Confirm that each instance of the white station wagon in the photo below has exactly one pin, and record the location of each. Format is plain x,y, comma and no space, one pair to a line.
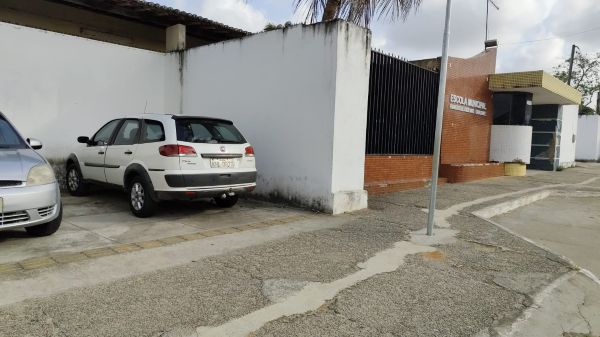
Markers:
163,157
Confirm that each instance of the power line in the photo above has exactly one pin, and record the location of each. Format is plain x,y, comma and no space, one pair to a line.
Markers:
552,38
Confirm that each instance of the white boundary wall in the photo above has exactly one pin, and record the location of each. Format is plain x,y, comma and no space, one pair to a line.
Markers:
511,143
300,97
588,138
568,135
57,87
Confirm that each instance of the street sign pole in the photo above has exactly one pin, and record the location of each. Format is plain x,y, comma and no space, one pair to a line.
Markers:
439,121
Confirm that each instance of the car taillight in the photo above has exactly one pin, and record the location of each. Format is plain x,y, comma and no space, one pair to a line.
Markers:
177,151
249,151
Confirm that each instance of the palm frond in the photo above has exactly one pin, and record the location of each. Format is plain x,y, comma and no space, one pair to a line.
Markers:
313,9
394,9
361,12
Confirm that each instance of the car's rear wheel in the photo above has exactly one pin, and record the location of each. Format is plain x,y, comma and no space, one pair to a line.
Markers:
227,202
75,184
140,201
48,228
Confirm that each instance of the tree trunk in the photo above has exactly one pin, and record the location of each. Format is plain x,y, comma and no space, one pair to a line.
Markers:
331,10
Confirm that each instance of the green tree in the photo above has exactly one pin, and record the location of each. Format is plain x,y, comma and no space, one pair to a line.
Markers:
585,78
360,12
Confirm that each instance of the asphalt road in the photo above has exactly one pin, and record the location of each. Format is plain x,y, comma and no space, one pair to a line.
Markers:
370,273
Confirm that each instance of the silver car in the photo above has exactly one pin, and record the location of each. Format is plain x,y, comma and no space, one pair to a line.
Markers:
29,192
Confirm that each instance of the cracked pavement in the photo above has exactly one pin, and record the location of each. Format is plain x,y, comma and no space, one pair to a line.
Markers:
479,285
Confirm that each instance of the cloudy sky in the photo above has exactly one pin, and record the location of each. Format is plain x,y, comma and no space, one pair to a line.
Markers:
518,26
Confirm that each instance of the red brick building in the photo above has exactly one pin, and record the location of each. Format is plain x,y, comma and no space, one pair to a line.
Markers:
468,118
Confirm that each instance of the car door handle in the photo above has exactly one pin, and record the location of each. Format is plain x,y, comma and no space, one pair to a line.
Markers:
128,152
100,152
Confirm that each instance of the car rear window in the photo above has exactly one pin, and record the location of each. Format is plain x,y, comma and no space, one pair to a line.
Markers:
153,131
9,139
198,130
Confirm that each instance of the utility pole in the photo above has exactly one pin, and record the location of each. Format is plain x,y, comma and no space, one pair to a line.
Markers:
439,121
487,15
570,76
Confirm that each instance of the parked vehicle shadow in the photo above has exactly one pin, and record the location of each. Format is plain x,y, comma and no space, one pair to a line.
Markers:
13,234
109,200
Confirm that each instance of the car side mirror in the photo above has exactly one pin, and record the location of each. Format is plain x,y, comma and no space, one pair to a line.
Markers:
34,143
83,140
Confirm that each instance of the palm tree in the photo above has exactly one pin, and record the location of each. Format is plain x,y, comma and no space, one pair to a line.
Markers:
360,12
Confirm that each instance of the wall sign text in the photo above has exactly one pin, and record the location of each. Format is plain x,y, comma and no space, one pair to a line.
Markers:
469,105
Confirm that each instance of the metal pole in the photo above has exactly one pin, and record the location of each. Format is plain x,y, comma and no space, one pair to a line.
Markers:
571,64
487,16
439,120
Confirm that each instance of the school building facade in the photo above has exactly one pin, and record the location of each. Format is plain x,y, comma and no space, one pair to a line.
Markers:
489,120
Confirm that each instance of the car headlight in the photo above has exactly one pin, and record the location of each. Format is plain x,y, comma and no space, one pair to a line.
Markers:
40,175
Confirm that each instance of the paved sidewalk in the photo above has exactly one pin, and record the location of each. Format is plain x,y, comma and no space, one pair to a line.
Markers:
568,223
371,273
102,221
568,308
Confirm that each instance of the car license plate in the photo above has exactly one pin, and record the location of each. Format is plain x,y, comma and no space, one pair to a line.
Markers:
221,163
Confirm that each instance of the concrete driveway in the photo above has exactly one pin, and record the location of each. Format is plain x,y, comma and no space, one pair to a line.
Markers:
567,223
103,220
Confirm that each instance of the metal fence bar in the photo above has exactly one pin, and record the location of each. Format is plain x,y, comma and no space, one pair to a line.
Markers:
401,108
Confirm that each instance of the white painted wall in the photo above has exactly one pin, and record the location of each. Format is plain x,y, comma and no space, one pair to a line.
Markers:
300,97
588,138
350,119
511,143
568,135
57,87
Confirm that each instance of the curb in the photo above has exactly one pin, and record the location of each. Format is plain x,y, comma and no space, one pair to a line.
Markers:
488,212
505,207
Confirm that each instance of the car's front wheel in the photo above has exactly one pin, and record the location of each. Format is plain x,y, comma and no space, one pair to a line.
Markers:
140,201
48,228
75,184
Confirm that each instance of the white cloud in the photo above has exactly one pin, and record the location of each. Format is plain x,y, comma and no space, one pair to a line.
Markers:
421,35
235,13
379,42
180,3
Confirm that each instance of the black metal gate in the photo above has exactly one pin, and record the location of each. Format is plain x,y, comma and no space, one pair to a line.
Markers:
402,107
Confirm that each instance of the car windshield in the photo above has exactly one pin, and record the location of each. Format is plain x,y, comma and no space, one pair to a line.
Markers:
198,130
9,138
